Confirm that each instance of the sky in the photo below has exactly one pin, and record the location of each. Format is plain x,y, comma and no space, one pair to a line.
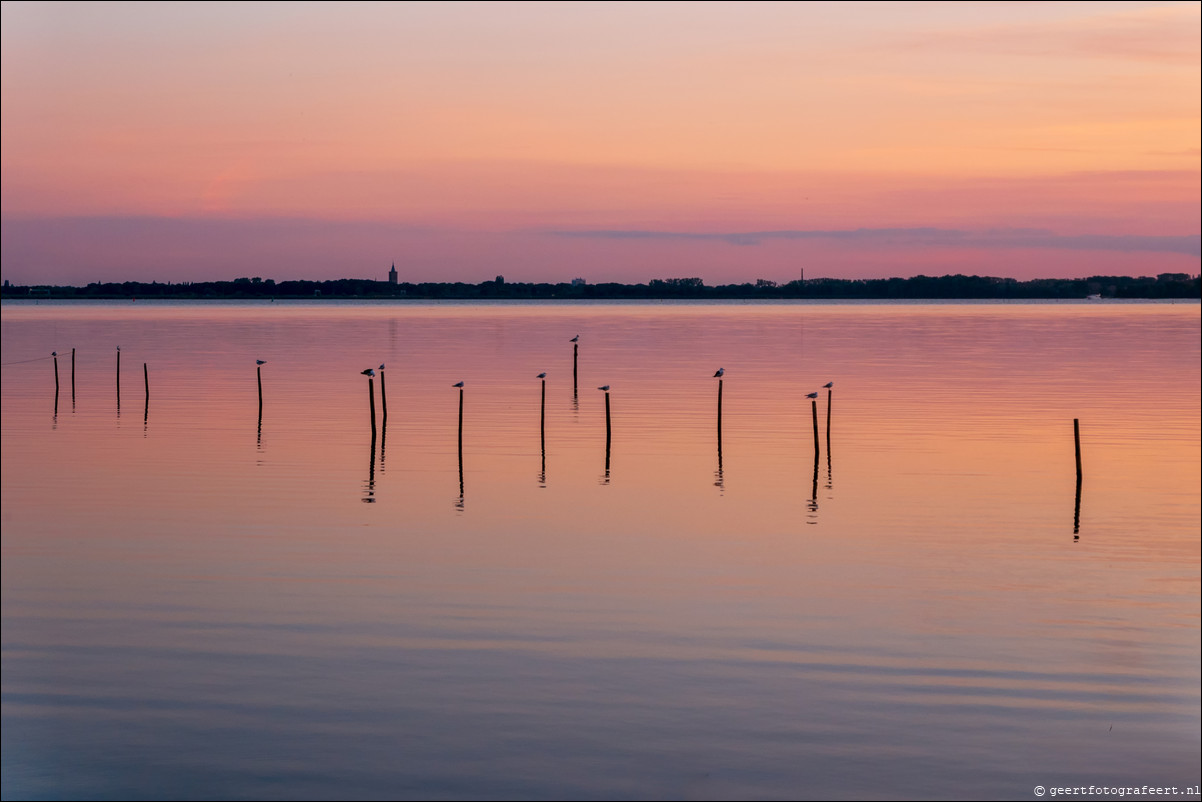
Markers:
609,141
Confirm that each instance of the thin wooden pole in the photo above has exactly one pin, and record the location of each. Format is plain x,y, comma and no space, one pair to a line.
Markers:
55,355
1077,443
829,393
719,410
371,402
73,377
118,377
608,430
146,381
259,376
575,356
459,504
814,409
383,397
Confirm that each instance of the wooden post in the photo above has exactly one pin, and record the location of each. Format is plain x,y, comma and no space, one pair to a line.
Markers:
608,430
459,503
259,376
1077,443
146,381
719,410
55,355
383,398
542,409
575,355
371,402
829,393
814,409
72,377
118,378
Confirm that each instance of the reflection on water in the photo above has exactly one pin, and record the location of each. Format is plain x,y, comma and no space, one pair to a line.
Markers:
183,616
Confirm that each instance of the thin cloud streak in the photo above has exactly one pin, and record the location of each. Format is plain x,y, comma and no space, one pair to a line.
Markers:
1190,245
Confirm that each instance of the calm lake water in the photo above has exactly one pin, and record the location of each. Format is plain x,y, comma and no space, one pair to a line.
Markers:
199,603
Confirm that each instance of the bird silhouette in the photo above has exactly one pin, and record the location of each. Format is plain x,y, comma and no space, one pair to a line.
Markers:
458,384
54,353
812,395
381,366
718,375
260,361
829,385
369,372
604,387
542,375
575,339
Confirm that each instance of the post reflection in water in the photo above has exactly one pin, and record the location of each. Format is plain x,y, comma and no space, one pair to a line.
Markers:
812,504
369,490
1077,512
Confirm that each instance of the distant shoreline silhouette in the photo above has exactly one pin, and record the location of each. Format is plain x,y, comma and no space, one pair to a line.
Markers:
1164,285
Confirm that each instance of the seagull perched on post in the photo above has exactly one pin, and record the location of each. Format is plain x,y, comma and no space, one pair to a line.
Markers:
458,384
829,385
260,361
54,353
542,375
368,373
381,367
718,375
812,395
604,387
575,339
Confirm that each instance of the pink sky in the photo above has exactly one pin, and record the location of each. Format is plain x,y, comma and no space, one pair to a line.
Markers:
619,142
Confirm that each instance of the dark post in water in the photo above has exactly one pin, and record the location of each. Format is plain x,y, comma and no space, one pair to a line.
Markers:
1077,442
73,378
118,378
383,398
259,376
608,430
575,356
55,355
829,393
814,410
146,382
371,403
459,503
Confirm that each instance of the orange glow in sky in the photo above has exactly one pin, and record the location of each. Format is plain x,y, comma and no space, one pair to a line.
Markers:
462,140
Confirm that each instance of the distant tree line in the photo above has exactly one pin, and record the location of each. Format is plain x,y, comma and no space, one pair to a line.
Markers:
1165,285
